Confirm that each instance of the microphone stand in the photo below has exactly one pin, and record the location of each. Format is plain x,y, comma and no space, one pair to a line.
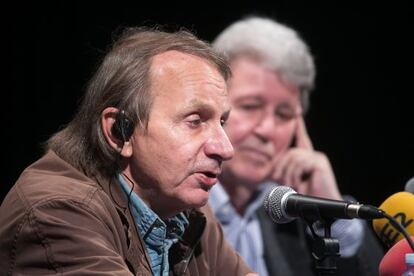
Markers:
325,250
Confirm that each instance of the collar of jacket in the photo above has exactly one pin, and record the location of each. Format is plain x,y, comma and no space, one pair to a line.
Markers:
180,253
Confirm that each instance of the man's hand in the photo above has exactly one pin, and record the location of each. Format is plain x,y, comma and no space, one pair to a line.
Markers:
307,171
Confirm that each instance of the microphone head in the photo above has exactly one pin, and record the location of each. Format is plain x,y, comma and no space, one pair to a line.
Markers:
401,206
393,262
275,203
409,186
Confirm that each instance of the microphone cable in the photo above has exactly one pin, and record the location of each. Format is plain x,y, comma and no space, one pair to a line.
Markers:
402,230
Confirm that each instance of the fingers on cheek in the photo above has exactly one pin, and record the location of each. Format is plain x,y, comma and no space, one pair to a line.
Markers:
299,174
303,189
290,169
293,170
289,172
279,168
276,173
289,166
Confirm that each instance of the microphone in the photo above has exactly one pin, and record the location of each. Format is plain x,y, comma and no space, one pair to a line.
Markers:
401,207
283,204
393,262
409,186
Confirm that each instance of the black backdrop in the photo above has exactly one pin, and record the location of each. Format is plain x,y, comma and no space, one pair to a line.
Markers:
360,111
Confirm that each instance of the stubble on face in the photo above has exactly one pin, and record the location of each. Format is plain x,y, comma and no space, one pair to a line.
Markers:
170,159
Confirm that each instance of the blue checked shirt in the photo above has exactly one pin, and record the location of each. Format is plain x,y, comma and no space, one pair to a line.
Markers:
157,234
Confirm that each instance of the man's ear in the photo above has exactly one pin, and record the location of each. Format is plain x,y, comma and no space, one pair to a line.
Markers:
108,118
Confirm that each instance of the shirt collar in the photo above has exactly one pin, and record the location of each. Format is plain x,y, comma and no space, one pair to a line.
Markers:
221,205
148,221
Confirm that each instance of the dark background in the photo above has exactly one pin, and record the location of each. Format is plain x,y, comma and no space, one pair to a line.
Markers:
361,110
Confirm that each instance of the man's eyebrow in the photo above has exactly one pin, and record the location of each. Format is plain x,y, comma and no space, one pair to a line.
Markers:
250,97
196,104
203,107
285,104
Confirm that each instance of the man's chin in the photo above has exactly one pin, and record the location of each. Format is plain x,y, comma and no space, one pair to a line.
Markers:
250,173
199,201
202,202
253,178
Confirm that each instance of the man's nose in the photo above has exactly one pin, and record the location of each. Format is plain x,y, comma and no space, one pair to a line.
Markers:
219,146
266,126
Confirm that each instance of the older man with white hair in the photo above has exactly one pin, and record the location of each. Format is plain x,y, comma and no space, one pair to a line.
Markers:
273,74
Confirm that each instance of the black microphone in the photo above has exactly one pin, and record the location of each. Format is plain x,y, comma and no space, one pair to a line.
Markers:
283,204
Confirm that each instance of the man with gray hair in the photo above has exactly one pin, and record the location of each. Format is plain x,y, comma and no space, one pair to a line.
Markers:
273,73
121,189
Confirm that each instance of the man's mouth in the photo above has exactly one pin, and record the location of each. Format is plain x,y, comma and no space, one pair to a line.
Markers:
257,154
210,174
208,178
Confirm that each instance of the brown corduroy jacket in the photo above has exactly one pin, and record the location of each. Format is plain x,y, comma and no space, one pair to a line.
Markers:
55,220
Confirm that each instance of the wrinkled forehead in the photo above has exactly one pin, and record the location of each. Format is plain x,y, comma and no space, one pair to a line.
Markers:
178,66
249,76
187,81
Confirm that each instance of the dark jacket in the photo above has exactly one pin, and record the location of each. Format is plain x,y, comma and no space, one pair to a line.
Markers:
290,245
55,220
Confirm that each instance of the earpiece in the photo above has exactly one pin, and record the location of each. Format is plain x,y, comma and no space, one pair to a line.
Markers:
122,128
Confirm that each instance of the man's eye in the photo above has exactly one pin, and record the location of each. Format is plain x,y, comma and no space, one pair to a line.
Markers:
194,120
250,107
285,116
223,122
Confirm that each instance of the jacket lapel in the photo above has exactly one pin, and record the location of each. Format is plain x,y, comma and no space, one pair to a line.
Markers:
136,256
276,262
182,252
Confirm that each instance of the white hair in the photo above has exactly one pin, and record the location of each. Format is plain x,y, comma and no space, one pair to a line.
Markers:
276,45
